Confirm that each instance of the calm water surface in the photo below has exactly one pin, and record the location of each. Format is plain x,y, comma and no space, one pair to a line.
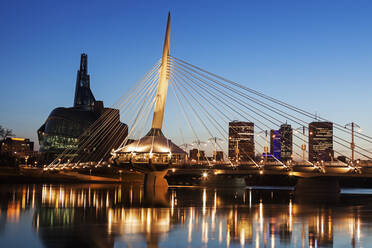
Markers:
126,216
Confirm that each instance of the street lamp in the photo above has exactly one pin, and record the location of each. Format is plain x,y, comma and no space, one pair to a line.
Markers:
26,158
352,144
266,147
215,139
185,145
198,142
303,146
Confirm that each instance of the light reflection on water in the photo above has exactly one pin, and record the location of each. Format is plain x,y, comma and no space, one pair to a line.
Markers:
126,216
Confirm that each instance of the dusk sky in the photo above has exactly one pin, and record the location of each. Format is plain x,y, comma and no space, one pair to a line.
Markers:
316,55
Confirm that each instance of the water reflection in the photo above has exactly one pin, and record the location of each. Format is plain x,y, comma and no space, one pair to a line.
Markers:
126,215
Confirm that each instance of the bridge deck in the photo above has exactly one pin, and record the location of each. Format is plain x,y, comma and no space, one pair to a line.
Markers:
299,171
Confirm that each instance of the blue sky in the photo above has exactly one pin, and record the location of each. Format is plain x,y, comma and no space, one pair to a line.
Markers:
316,55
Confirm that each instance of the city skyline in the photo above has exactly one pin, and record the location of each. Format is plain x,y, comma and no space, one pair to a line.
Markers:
185,123
274,59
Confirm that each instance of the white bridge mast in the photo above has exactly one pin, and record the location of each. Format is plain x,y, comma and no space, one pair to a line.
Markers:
161,95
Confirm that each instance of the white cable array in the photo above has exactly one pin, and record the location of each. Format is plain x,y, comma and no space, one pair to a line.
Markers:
216,89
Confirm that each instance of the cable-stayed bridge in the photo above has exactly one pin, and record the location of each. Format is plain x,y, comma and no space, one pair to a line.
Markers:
201,107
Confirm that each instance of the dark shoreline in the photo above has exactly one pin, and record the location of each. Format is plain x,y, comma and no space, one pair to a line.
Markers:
38,175
14,175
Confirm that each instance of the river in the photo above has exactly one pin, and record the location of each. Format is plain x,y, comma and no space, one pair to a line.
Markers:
101,215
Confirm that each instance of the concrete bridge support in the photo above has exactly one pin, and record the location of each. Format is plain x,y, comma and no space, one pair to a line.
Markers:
156,188
317,190
155,179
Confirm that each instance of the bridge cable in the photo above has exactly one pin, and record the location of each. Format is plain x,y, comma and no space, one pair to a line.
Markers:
307,123
306,113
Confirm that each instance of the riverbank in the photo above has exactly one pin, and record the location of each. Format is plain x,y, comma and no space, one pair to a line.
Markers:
115,175
38,175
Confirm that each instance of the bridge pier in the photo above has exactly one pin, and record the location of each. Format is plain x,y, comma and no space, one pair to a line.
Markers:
156,188
155,179
317,190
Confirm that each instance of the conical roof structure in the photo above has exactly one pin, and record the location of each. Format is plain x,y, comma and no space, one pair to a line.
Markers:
153,144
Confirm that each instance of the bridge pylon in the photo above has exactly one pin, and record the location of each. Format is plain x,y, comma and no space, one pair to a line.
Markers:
154,153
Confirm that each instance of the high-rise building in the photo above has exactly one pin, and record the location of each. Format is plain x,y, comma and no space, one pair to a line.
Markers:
68,128
320,141
275,144
219,155
286,142
281,144
241,141
194,155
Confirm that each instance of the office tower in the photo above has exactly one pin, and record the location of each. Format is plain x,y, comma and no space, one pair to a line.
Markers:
320,141
241,141
286,138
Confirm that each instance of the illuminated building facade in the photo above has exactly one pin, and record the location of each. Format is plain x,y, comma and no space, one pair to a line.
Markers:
20,146
320,141
275,144
15,151
286,142
219,155
281,143
64,127
194,154
241,141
